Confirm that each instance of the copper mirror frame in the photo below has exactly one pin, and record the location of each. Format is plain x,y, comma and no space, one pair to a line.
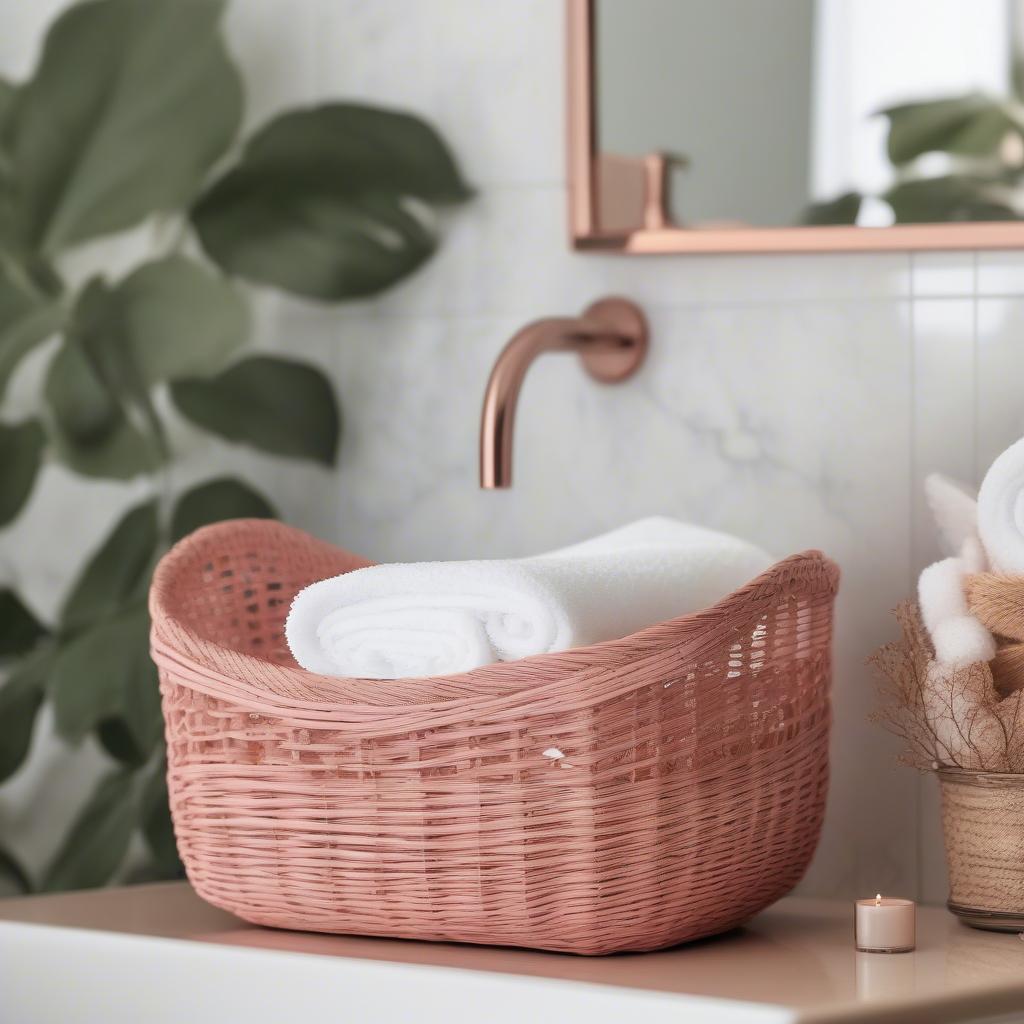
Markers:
618,203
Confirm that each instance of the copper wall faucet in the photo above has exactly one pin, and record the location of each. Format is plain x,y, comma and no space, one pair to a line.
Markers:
611,339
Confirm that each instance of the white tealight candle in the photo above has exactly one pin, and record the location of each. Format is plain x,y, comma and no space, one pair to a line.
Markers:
885,925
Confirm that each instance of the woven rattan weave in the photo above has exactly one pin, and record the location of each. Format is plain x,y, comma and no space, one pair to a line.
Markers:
624,796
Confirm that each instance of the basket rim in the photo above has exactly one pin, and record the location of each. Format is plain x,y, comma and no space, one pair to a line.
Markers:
300,688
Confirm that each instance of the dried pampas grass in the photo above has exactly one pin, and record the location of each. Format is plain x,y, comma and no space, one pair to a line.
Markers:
947,716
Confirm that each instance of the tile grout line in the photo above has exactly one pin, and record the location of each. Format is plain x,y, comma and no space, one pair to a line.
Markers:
975,392
912,486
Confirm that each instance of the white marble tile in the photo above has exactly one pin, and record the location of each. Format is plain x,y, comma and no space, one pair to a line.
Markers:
273,44
1000,406
945,415
512,129
942,273
488,76
1001,273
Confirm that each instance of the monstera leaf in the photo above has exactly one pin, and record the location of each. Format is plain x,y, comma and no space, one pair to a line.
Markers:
21,693
28,315
169,319
323,202
952,197
844,209
129,107
103,678
13,877
97,673
117,573
21,454
21,696
20,630
155,817
90,431
972,125
98,840
277,405
215,500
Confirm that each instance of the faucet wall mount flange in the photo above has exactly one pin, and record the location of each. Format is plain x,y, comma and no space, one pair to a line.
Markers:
611,338
619,343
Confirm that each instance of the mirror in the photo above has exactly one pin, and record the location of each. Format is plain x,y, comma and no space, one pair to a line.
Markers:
796,124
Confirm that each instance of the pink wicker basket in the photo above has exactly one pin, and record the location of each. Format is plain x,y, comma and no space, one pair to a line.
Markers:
625,796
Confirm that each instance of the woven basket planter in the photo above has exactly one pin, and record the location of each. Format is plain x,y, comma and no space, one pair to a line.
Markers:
625,796
983,827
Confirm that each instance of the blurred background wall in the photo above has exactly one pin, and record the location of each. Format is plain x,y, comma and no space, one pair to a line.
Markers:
798,400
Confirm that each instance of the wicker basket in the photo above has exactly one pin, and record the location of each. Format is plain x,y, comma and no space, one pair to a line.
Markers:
983,827
625,796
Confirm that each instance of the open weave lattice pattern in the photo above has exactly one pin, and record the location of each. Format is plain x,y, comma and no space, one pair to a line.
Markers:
624,796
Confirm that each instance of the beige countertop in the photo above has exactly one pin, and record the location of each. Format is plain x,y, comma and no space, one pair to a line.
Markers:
160,948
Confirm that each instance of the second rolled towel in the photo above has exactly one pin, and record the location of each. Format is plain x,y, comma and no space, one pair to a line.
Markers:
1001,511
440,618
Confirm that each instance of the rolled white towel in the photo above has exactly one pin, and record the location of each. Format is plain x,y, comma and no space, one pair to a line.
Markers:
955,510
1001,511
957,636
440,618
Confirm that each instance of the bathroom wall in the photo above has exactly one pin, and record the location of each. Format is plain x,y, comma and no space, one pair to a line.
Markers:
797,400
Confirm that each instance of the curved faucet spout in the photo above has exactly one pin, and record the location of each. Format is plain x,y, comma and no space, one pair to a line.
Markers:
611,338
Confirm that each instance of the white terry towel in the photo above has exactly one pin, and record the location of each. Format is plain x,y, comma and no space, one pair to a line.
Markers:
955,510
1001,511
440,618
958,637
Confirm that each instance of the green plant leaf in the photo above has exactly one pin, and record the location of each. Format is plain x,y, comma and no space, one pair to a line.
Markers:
20,630
21,455
13,877
8,91
129,107
98,839
8,94
20,699
169,319
118,572
157,827
101,672
140,703
972,125
1017,75
843,209
320,204
216,500
276,405
390,149
950,198
28,316
90,432
117,740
